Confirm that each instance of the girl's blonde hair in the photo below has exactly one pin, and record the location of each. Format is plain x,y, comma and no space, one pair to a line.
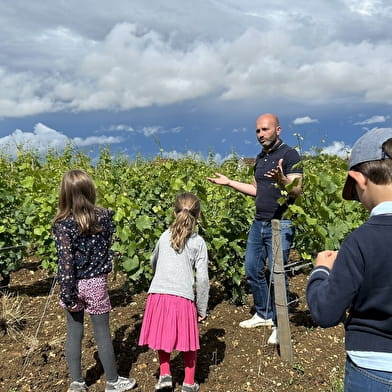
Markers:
77,197
186,211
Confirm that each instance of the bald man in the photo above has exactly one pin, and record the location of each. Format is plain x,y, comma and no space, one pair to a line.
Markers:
275,167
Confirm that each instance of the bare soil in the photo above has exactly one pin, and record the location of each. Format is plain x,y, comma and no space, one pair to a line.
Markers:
231,359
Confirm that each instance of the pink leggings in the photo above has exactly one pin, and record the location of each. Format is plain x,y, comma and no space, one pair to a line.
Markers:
189,365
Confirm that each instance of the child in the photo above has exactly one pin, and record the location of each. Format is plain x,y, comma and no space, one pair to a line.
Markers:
170,319
358,278
83,236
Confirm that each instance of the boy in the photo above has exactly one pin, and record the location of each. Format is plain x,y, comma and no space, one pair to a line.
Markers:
358,278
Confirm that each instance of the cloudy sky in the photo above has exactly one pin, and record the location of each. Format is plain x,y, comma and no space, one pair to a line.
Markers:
184,76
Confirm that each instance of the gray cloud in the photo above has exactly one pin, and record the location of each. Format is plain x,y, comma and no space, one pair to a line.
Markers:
373,120
146,131
92,55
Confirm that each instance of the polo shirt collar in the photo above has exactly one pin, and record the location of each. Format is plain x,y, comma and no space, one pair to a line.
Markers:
276,147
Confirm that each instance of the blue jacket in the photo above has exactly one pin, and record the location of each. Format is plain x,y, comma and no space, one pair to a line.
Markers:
358,289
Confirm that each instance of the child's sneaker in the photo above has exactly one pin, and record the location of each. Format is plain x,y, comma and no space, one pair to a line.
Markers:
77,386
190,388
164,382
122,384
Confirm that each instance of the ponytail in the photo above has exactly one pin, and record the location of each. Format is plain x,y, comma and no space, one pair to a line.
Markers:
186,210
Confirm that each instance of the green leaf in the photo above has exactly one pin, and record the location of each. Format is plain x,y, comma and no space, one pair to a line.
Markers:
219,242
39,230
27,182
131,264
143,223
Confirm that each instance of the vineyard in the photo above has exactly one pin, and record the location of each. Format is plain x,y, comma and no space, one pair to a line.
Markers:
141,193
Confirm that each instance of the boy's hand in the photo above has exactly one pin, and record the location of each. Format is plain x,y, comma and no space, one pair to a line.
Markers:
326,258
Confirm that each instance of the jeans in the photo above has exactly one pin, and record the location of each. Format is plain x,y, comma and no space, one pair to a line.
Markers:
258,250
359,379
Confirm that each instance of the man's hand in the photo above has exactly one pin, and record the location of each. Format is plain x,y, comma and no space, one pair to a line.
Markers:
220,179
282,180
278,175
326,258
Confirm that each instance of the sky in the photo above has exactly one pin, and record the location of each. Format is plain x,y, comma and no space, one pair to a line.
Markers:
178,77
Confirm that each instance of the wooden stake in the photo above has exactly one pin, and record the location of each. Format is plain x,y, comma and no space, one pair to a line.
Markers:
280,291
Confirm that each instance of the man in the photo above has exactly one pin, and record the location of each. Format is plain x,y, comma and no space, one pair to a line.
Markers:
274,169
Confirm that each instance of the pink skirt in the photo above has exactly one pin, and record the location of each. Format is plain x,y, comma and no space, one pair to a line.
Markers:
170,323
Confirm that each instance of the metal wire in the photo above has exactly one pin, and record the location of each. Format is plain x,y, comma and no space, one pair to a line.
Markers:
13,247
48,298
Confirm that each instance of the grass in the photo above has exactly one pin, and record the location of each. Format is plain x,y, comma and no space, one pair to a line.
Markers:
12,316
336,380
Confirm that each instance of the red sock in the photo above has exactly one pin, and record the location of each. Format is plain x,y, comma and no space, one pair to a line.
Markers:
189,366
164,362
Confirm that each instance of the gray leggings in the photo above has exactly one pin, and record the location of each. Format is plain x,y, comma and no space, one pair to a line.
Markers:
102,336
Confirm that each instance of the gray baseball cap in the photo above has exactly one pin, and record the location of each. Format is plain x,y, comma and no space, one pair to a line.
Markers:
367,148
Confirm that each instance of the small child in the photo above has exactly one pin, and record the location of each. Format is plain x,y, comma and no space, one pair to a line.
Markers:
358,278
83,236
170,319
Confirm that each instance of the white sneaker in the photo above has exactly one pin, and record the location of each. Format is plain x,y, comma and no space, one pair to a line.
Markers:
122,384
190,388
77,386
274,338
256,321
164,382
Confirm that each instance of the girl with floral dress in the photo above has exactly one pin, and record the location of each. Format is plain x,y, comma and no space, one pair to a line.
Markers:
83,236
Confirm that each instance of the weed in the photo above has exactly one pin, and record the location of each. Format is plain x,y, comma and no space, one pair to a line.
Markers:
336,380
12,316
298,367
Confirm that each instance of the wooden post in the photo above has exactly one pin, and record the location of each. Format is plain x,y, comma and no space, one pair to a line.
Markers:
280,291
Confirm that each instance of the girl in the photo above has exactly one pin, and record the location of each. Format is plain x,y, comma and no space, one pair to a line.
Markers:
83,236
171,316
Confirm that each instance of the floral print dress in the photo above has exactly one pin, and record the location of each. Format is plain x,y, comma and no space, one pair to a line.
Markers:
82,256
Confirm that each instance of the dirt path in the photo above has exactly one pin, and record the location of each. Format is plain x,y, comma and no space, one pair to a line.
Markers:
231,359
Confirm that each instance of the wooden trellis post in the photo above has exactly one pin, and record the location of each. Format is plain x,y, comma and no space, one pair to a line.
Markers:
280,291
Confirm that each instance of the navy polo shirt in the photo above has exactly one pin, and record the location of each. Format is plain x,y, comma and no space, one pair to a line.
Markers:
268,192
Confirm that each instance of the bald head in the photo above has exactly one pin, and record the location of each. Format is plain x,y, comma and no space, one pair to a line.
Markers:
268,117
268,130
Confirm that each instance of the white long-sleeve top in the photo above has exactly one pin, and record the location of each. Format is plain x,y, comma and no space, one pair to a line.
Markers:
175,272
